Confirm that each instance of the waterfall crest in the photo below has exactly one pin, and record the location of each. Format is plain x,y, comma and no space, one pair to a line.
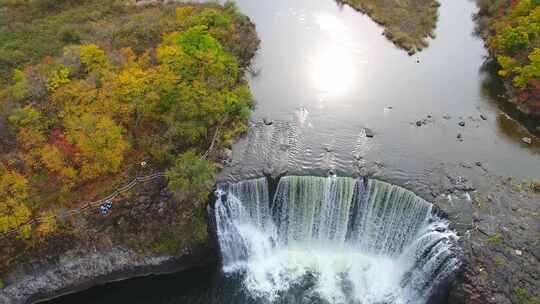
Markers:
344,240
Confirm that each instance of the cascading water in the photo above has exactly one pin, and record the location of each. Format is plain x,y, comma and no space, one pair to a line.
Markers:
333,240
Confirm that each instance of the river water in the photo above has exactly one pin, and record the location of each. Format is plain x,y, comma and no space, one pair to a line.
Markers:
323,74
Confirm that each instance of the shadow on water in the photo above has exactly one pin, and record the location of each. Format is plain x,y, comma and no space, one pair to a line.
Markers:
203,285
511,123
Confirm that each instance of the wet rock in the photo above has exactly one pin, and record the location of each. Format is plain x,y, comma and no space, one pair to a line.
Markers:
479,164
363,171
459,137
419,123
467,165
267,171
527,140
267,122
225,156
484,117
535,186
369,132
461,124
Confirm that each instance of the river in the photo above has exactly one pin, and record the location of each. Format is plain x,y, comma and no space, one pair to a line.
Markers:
325,72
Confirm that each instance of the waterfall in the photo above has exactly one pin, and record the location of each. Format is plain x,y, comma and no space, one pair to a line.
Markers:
343,240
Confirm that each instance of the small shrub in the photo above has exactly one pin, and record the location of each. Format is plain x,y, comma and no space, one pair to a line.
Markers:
70,35
495,239
167,243
523,296
2,285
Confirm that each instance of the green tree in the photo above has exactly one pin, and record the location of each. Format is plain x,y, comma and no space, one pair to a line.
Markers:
191,175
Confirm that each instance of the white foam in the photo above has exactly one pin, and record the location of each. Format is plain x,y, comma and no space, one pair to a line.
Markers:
346,241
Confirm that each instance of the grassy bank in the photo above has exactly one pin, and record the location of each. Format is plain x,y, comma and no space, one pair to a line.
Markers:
407,23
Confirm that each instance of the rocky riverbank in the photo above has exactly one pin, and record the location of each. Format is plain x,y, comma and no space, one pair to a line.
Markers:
498,220
147,232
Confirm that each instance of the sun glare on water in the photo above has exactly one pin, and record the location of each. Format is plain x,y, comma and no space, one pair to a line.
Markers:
332,67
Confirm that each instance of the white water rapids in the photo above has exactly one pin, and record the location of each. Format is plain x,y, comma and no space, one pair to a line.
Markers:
339,240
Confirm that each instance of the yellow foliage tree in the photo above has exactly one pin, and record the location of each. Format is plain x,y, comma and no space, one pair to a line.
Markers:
13,199
93,58
54,160
99,141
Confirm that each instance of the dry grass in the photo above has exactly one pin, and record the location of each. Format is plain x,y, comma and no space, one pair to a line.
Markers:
407,23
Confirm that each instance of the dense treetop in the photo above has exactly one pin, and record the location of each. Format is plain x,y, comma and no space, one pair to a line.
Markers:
154,85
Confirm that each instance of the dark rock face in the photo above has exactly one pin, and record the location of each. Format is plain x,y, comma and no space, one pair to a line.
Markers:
498,220
141,235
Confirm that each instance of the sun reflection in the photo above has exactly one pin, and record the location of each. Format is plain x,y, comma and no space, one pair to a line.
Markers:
332,67
333,71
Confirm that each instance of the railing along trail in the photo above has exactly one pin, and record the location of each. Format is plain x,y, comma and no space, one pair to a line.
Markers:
89,205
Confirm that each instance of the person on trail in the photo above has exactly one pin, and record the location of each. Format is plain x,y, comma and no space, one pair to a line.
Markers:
104,208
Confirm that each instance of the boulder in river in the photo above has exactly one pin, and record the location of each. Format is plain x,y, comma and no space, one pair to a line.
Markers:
369,132
527,140
418,123
267,122
484,117
461,124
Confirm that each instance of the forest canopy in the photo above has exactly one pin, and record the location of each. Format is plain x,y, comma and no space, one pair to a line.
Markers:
153,84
